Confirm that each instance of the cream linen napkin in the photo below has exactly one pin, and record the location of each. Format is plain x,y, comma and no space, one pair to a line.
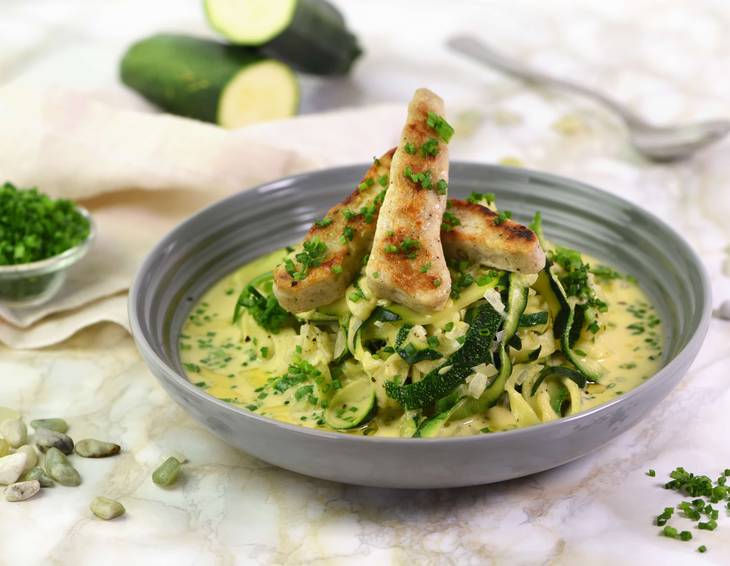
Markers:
140,174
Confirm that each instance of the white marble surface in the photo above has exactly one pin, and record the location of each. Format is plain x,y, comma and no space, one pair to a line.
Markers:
668,59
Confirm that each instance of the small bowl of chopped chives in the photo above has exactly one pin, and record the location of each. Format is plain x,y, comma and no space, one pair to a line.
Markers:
40,239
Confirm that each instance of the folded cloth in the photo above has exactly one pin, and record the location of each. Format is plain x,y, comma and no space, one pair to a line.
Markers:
140,174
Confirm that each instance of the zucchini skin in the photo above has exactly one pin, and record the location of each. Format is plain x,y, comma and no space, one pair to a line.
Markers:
184,75
316,41
568,326
476,349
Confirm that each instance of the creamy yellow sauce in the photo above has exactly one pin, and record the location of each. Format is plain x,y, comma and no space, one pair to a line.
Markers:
234,362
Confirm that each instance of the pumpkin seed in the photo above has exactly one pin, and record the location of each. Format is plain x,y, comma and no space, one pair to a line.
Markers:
39,474
60,469
32,455
4,447
59,425
46,438
90,448
106,508
167,473
11,467
14,431
22,490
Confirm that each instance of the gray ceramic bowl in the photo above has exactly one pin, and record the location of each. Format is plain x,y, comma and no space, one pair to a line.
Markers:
228,234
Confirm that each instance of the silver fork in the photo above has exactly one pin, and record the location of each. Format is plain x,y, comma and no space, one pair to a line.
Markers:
655,142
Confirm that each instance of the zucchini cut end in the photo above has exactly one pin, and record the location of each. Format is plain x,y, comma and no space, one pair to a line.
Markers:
351,406
250,22
259,92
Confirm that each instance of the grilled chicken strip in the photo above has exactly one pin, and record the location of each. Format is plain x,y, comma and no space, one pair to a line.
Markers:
468,231
481,237
337,243
407,262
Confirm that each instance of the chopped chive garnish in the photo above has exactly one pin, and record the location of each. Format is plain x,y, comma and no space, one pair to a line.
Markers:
437,282
442,187
440,126
376,275
651,473
502,216
312,255
449,221
430,148
391,249
323,223
336,269
475,198
383,181
702,549
409,148
425,267
423,179
349,214
365,185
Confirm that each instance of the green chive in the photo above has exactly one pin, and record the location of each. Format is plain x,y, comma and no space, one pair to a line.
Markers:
409,148
440,126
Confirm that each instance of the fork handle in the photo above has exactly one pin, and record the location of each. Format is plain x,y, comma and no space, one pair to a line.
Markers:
479,51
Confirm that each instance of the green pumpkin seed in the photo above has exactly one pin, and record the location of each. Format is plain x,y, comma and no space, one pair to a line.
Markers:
32,456
60,469
90,448
40,475
22,490
167,473
46,438
106,508
14,431
59,425
4,447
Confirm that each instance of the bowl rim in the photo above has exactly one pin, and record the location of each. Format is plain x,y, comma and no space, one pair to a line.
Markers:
176,379
48,264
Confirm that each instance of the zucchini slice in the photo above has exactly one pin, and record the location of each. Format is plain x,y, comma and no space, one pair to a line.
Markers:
492,393
311,35
483,324
351,406
566,326
534,319
209,81
558,372
432,427
517,294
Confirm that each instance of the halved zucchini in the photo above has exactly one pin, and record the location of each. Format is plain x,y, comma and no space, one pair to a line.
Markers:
311,35
351,406
210,81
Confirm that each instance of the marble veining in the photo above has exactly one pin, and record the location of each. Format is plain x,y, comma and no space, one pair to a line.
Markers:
667,60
